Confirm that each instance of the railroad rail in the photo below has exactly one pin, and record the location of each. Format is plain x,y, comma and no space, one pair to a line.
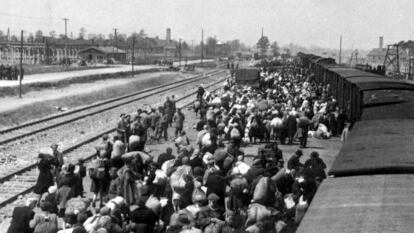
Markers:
22,181
40,125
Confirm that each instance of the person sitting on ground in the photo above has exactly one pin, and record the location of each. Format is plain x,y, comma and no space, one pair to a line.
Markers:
294,161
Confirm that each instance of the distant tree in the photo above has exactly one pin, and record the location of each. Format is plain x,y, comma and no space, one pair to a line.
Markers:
185,46
275,49
263,44
142,33
52,34
287,51
62,36
210,46
39,36
235,45
30,38
13,38
82,33
121,38
110,36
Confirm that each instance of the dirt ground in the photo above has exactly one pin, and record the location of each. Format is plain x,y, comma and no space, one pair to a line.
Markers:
38,104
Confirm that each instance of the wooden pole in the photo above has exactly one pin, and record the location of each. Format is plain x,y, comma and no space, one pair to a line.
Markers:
133,55
202,45
340,49
21,64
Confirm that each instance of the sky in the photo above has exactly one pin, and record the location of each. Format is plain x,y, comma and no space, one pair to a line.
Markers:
302,22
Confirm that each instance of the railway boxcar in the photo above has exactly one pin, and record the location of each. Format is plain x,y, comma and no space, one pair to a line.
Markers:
248,76
370,188
366,92
377,203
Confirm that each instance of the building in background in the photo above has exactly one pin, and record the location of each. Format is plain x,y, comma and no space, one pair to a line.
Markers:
102,54
376,56
54,51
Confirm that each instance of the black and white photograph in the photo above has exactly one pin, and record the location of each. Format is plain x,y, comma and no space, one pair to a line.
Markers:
206,116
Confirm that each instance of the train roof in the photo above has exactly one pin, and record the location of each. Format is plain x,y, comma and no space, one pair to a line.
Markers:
347,72
379,82
379,203
377,147
325,60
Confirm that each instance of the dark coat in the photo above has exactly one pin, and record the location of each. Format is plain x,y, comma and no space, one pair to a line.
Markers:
20,220
144,215
45,178
291,125
294,163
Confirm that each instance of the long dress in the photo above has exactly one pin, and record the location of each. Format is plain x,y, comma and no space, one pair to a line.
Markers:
45,178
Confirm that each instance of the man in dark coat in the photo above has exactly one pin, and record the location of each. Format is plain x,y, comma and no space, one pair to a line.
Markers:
294,161
167,155
143,217
291,127
21,218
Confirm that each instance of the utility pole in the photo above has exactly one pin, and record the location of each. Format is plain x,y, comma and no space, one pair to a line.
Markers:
340,49
133,55
202,45
179,52
66,42
262,50
116,40
21,64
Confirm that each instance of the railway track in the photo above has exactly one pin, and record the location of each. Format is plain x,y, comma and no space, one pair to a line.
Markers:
22,181
40,125
22,149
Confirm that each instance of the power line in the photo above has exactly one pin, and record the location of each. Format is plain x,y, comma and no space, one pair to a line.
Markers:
28,17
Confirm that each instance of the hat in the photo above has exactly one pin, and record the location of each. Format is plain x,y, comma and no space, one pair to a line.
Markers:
176,196
52,189
141,201
213,197
299,152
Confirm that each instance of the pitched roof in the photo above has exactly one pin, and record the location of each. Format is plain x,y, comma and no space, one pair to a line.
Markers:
105,49
377,52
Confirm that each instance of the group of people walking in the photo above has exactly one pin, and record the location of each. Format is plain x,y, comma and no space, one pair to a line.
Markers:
202,184
8,72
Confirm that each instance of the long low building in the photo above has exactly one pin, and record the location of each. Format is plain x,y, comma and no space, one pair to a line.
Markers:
100,54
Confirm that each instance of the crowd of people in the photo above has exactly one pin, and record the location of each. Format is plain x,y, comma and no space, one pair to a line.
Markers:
208,186
8,72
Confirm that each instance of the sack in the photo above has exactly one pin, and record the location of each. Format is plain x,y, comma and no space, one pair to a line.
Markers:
235,134
77,204
240,168
238,184
212,228
134,143
198,195
98,168
257,213
301,208
177,180
261,190
154,204
47,224
206,140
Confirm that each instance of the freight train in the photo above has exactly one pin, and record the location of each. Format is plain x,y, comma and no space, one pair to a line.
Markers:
370,184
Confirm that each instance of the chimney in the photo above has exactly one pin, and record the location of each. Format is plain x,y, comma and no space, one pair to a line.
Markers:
381,42
168,37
